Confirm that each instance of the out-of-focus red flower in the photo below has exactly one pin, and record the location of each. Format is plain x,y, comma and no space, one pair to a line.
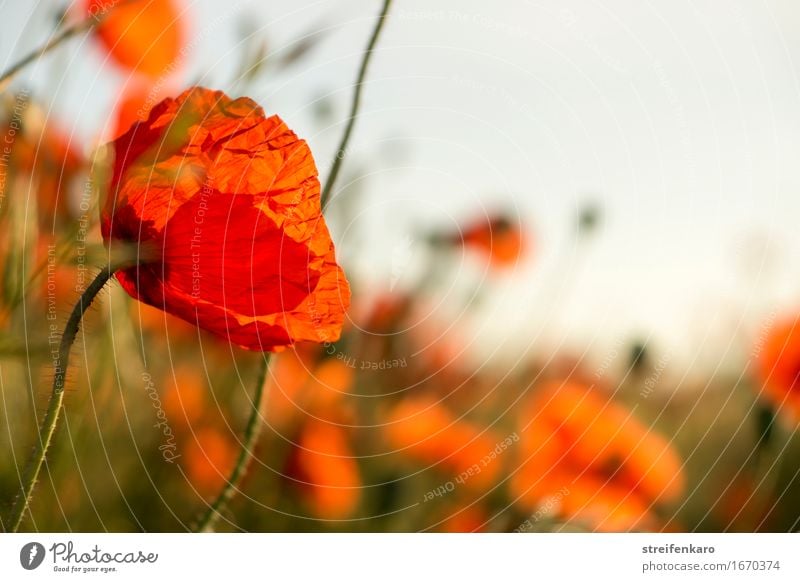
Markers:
385,313
497,237
130,109
469,519
4,308
304,387
423,429
45,162
605,505
329,384
185,397
589,460
59,280
160,323
141,35
741,507
328,474
139,95
779,368
209,457
289,374
224,201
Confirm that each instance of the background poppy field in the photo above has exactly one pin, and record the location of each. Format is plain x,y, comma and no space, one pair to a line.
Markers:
569,233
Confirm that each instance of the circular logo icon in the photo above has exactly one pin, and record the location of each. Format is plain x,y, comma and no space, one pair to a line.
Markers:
31,555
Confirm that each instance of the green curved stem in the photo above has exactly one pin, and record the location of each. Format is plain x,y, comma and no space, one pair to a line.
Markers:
253,429
252,432
66,34
56,403
74,30
341,151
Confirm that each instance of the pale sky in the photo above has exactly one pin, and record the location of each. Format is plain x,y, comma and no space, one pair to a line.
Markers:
681,119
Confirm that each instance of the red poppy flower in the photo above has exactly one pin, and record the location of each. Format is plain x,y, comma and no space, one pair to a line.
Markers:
141,35
209,456
779,368
463,518
227,201
424,430
305,389
497,237
325,470
43,160
136,99
185,398
587,458
4,251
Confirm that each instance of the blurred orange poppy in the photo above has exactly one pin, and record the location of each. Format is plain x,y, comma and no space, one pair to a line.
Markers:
4,307
185,396
330,382
289,373
426,431
744,505
607,506
59,281
141,35
161,324
469,519
225,202
303,387
779,368
327,473
209,456
139,95
603,465
498,237
384,313
45,162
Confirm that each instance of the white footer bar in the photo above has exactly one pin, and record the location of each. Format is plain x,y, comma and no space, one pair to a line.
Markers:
408,557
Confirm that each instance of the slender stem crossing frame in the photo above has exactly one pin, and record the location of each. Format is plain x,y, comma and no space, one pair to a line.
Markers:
55,406
253,429
341,151
252,432
56,403
83,26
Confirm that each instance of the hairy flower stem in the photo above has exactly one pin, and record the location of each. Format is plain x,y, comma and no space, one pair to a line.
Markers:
56,404
252,432
341,151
